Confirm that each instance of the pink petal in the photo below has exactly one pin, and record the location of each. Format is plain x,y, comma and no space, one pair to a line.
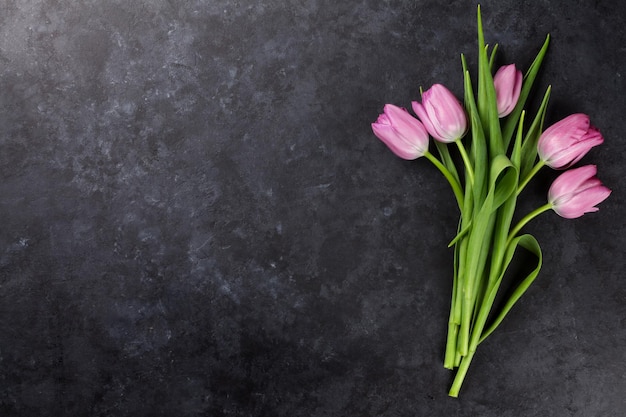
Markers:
570,180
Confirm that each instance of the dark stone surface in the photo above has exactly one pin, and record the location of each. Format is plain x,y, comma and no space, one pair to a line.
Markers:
198,221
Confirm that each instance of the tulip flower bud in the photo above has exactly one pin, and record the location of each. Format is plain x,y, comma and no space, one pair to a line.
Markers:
508,84
442,114
401,132
567,141
576,192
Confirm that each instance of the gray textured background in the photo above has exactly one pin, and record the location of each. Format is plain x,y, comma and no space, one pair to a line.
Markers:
196,219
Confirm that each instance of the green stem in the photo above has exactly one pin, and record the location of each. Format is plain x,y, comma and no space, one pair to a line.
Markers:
530,175
456,188
459,301
466,316
453,325
476,255
460,374
459,279
526,219
453,331
466,161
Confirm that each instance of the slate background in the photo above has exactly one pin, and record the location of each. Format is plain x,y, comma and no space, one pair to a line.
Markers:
196,219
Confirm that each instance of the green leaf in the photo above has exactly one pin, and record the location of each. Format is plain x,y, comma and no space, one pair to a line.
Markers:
506,211
529,147
529,243
516,153
487,104
492,58
460,234
504,181
529,79
446,160
478,152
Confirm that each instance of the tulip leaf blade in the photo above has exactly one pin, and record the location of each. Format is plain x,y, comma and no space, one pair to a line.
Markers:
462,233
507,210
486,103
504,181
492,58
446,159
478,150
529,243
529,146
516,153
529,79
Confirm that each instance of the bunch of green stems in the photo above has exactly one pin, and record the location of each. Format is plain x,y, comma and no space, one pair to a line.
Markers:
499,158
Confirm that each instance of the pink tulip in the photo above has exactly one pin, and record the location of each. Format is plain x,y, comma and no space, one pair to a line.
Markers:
567,141
576,192
442,114
508,84
401,132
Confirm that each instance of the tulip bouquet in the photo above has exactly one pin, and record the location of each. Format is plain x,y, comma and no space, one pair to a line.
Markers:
499,149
